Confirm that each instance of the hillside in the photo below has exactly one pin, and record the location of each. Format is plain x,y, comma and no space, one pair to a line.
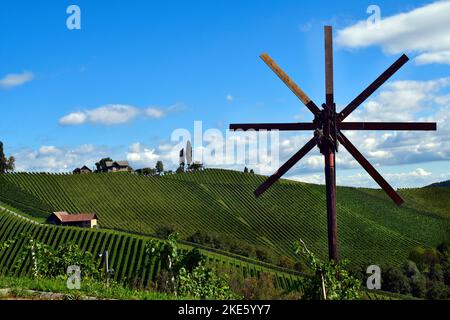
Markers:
126,251
371,228
440,184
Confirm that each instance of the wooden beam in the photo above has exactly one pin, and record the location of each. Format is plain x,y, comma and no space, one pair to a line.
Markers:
413,126
286,166
370,169
329,87
274,126
372,87
290,84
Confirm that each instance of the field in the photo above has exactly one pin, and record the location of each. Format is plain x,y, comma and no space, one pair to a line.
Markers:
127,256
372,229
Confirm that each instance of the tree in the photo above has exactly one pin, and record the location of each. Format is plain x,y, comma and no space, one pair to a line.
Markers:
3,161
195,166
159,167
102,163
245,170
180,169
11,164
251,171
6,164
146,171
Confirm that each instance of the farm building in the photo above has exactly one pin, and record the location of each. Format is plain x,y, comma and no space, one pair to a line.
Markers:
115,166
84,220
83,169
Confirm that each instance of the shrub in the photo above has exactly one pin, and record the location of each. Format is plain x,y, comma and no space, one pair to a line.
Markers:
203,282
436,273
410,268
262,288
329,280
286,262
418,285
163,231
394,280
438,291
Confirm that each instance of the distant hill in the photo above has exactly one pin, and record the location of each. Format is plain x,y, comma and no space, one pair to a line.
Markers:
440,184
372,229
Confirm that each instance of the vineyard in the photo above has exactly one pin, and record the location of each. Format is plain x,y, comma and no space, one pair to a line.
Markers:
372,229
127,254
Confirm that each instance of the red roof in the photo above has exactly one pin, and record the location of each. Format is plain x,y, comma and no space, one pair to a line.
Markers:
80,217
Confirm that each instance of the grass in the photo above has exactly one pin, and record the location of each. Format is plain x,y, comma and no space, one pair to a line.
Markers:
20,285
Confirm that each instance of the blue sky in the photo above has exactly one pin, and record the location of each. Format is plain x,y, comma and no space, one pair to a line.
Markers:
137,70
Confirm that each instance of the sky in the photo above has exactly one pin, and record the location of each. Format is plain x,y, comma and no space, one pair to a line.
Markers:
136,71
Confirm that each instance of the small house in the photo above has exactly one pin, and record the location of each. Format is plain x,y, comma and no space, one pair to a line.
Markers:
83,169
115,166
84,220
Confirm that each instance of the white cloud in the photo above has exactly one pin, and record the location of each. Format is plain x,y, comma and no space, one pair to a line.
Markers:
108,115
154,112
116,114
73,118
312,178
423,30
44,150
112,114
229,98
16,79
434,57
59,159
139,154
416,178
401,100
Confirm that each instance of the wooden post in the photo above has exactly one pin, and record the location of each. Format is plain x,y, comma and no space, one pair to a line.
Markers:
330,180
329,148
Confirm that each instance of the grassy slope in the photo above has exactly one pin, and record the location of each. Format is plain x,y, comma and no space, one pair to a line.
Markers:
371,228
126,251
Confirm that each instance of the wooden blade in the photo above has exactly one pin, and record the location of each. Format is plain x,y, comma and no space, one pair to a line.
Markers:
372,87
413,126
290,84
273,126
329,88
370,169
285,167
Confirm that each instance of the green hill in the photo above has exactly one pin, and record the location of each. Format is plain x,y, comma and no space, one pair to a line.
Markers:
371,228
126,252
440,184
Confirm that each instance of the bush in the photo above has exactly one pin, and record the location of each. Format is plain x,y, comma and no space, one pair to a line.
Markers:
394,280
264,255
444,248
163,231
262,288
436,273
286,262
438,291
410,268
418,285
204,283
329,280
